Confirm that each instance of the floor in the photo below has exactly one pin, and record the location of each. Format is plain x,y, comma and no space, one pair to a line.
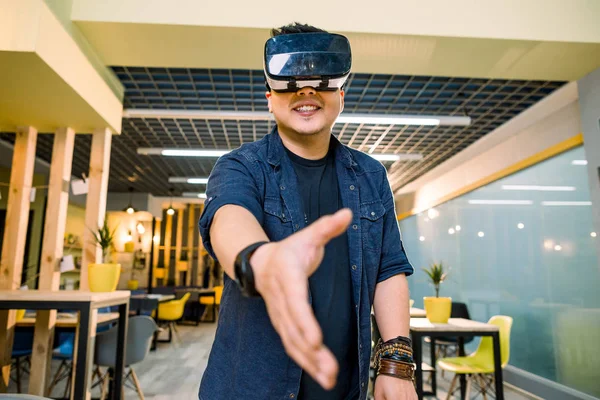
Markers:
174,370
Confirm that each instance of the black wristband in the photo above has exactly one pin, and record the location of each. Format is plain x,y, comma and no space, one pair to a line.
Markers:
244,275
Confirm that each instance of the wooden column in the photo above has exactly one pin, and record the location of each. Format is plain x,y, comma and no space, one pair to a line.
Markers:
95,206
156,250
15,236
201,266
167,247
190,244
178,241
52,252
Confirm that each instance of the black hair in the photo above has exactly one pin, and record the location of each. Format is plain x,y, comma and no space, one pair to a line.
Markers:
294,27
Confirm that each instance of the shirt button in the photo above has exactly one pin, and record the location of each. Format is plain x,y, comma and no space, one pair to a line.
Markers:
354,267
373,213
282,187
355,227
362,384
351,187
297,226
292,395
360,346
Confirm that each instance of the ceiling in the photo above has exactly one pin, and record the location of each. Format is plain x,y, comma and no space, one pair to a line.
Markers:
489,102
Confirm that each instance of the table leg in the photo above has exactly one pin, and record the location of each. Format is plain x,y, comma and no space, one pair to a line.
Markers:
498,366
463,377
418,357
121,348
433,362
86,333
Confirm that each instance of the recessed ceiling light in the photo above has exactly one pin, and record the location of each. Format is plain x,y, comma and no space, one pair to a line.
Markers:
579,162
558,247
520,225
451,231
422,238
593,234
458,228
480,234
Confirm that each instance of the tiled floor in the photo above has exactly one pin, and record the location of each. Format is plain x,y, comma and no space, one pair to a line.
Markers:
174,370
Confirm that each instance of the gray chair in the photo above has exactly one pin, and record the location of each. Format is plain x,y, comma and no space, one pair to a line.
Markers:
140,331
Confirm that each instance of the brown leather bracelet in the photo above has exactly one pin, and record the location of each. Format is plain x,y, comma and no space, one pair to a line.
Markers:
396,369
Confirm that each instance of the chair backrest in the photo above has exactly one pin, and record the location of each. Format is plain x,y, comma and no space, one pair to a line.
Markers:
486,347
140,330
218,293
460,310
183,299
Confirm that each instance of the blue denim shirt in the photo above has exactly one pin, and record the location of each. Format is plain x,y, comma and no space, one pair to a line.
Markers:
248,359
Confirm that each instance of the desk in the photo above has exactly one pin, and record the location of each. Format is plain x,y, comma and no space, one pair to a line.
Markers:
87,304
68,320
460,327
417,313
139,302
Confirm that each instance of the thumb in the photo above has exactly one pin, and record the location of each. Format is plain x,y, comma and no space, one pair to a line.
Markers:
326,228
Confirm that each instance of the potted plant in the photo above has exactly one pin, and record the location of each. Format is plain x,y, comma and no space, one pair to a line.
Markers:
437,308
104,277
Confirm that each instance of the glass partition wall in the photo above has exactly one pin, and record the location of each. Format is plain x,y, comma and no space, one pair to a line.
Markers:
523,246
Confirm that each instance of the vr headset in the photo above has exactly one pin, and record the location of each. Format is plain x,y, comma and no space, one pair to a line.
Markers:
320,60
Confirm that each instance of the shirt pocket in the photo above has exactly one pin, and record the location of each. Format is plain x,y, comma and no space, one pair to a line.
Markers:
371,220
277,220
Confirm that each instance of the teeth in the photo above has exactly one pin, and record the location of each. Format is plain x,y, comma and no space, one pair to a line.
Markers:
306,108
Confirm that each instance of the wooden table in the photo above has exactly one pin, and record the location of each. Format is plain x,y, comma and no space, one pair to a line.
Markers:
68,320
417,313
86,304
461,328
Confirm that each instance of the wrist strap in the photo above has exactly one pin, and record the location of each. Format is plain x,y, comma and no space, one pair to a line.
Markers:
244,275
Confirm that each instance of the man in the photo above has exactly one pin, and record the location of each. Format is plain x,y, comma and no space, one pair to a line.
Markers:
307,229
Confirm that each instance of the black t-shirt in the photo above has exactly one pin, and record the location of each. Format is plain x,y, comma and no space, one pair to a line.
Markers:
331,284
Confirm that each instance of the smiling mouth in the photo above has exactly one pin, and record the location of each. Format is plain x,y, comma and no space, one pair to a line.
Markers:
307,110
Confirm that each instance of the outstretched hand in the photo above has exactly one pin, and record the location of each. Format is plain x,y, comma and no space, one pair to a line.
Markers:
281,271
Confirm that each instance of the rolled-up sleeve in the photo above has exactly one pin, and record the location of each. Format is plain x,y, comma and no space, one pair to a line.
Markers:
231,182
393,257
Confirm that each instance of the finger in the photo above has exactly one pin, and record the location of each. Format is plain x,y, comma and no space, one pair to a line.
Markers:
295,292
328,368
328,227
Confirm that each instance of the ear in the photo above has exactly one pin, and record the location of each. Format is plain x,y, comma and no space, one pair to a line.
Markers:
342,94
268,96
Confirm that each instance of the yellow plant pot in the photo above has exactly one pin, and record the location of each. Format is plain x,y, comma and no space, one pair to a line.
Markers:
103,277
133,284
438,309
20,314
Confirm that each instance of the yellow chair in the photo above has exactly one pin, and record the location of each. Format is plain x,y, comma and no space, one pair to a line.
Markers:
170,312
216,302
480,365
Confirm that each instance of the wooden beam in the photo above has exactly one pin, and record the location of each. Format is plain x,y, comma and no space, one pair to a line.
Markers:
190,244
156,250
178,241
95,206
167,250
15,237
52,252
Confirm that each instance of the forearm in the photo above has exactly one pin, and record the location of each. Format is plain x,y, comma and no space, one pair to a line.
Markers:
391,305
233,229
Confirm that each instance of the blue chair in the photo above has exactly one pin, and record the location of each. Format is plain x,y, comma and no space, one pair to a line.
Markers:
21,353
140,331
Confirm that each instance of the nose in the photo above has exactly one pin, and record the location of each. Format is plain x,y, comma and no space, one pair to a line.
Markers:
306,91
